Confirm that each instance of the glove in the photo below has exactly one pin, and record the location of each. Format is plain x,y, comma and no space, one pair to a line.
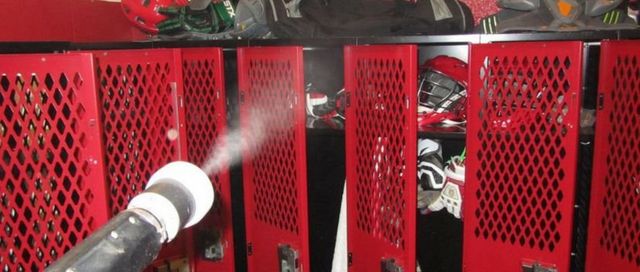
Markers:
323,106
451,195
430,165
426,197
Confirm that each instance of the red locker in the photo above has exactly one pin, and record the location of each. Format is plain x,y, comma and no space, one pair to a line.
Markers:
138,94
205,119
272,116
613,239
381,156
52,193
522,140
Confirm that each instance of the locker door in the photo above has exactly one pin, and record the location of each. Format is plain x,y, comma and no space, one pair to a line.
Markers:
522,139
53,191
138,92
206,123
272,117
381,156
613,239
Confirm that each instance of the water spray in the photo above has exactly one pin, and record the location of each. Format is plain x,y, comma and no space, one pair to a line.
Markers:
230,147
177,196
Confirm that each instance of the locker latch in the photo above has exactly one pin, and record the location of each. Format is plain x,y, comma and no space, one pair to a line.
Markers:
211,244
390,265
537,267
288,259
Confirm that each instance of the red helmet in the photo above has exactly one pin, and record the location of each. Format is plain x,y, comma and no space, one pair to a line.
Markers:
442,91
144,13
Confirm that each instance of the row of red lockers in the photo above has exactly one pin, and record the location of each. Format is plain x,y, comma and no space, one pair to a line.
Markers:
81,133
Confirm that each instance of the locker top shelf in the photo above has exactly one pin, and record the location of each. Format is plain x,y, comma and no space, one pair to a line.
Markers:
587,36
443,133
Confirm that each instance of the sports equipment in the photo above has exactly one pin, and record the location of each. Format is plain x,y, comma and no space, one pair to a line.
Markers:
430,173
430,165
321,105
442,91
451,196
145,14
557,16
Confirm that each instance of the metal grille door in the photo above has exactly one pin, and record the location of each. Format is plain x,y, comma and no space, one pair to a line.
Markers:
137,95
272,118
381,156
205,113
614,218
138,91
521,169
51,175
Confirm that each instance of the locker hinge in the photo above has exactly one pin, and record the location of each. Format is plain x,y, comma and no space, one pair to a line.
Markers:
241,97
249,249
600,101
350,259
390,265
348,98
407,102
537,267
288,259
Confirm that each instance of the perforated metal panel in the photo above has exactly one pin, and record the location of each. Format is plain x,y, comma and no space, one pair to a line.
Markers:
205,112
381,155
272,91
521,167
51,176
138,92
137,95
614,218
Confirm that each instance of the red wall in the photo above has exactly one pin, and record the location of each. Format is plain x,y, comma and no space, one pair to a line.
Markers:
64,20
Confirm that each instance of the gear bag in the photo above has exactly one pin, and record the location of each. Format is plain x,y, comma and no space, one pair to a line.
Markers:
344,18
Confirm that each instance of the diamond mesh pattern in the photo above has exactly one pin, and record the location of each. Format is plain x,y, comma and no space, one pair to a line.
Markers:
380,185
381,146
275,172
205,114
521,150
139,119
621,202
272,114
203,109
522,143
48,174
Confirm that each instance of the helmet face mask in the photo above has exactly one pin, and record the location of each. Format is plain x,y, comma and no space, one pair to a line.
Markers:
442,91
439,92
